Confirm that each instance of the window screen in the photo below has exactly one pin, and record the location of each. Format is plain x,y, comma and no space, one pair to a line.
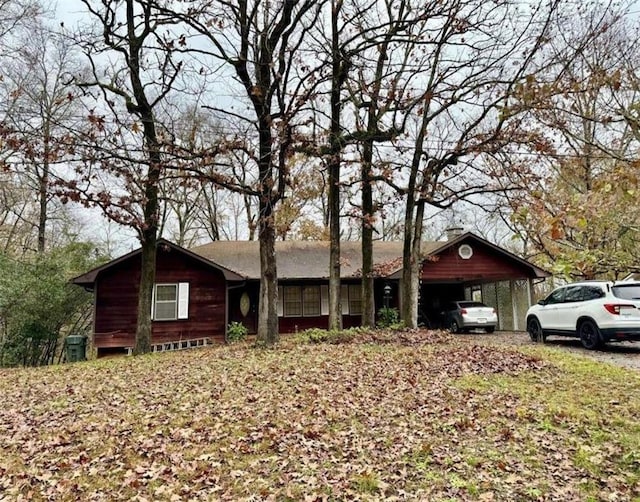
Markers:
355,299
166,302
311,300
292,301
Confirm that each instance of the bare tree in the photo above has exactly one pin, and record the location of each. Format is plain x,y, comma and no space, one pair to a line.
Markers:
261,43
339,71
132,56
40,109
477,54
13,15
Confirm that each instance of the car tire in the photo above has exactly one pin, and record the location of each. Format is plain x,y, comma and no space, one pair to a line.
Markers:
589,335
535,330
490,329
453,326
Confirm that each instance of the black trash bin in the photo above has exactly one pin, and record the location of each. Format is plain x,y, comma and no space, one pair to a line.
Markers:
76,348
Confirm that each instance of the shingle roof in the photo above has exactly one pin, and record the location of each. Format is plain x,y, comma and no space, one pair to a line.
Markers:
240,260
303,259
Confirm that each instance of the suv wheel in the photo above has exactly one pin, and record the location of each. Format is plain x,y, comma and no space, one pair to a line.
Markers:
589,335
535,330
453,326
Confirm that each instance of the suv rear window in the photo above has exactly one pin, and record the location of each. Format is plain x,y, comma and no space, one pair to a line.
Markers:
627,292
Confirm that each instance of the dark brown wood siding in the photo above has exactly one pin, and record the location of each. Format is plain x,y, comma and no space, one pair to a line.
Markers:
117,292
485,265
300,323
286,324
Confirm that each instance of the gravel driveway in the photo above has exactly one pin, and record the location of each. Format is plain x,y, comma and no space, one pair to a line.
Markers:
626,354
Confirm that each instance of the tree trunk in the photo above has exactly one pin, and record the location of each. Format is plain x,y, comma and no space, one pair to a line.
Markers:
43,191
151,205
373,134
414,214
147,280
409,302
339,72
368,301
267,334
416,263
149,242
268,306
335,304
409,288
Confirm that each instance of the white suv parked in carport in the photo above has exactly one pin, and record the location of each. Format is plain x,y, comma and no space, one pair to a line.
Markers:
595,311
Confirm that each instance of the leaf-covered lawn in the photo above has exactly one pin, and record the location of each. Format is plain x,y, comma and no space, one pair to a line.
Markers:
429,418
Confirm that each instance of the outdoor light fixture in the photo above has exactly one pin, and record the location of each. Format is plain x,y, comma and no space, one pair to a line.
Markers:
387,295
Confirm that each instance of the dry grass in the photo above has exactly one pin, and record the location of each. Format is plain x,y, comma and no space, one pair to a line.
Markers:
427,418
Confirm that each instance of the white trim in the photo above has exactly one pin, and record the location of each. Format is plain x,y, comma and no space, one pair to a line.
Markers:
176,286
324,300
280,302
183,300
514,304
465,251
344,298
153,302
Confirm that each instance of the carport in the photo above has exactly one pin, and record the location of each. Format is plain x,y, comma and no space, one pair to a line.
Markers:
467,267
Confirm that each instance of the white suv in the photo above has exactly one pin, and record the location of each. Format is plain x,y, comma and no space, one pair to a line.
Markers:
595,311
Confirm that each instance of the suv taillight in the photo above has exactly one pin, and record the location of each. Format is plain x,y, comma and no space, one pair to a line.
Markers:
463,311
614,308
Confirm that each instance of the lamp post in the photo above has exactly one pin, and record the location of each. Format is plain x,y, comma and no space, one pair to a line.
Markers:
387,295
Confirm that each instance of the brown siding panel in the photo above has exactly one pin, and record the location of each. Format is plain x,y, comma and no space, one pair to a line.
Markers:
484,265
117,293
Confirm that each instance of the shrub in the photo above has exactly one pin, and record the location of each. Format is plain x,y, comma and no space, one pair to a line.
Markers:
333,336
389,317
39,306
236,332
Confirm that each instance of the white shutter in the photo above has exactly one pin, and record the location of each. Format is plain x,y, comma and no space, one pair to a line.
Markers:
280,302
344,298
153,301
183,300
324,300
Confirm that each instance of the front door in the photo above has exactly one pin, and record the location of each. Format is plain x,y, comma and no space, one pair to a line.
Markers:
243,307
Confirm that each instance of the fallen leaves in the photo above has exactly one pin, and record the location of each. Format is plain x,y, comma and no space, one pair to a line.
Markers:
421,417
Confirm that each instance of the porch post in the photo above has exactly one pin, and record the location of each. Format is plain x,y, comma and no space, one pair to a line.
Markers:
514,305
226,309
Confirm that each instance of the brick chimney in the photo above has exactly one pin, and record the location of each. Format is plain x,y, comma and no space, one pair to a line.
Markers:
453,232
